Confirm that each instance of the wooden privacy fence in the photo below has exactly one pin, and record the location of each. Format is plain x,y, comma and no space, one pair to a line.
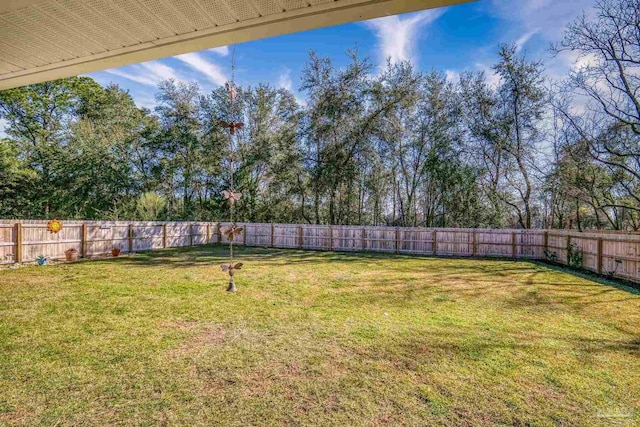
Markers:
604,253
24,241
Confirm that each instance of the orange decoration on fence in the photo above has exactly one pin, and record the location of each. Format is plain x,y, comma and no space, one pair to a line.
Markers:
54,226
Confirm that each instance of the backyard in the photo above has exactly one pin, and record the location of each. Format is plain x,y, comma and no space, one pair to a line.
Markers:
315,338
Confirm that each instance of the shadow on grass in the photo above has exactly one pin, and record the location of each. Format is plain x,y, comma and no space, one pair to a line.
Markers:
456,343
464,269
583,274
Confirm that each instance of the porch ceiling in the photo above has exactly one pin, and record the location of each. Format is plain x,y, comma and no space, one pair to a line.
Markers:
43,40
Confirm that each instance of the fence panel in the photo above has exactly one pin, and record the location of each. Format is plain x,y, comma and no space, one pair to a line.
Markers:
178,234
258,234
557,246
530,244
347,238
37,240
316,237
148,237
381,239
199,233
286,236
416,241
621,257
454,242
494,243
7,244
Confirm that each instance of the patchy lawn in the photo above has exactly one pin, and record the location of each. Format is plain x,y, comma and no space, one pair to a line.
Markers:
315,339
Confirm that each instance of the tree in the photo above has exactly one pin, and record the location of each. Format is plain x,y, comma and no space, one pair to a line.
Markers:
335,132
150,206
38,118
607,47
15,179
181,141
506,123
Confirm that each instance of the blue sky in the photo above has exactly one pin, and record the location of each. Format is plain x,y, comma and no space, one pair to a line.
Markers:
452,39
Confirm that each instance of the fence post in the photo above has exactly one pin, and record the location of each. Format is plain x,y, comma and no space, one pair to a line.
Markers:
364,238
164,235
18,255
397,240
599,255
208,234
272,231
546,243
330,238
514,251
244,235
130,238
83,241
435,242
473,243
219,232
300,236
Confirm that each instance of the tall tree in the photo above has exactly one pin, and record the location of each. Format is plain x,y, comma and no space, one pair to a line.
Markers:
607,47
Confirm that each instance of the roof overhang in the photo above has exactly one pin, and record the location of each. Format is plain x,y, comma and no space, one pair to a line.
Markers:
42,40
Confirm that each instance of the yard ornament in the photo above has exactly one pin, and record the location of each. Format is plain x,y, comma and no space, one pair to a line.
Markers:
232,126
54,226
232,231
231,195
231,268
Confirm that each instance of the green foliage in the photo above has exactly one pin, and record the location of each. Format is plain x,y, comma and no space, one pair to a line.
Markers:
150,206
15,177
551,255
574,256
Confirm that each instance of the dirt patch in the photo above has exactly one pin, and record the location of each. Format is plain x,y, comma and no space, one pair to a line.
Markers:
200,336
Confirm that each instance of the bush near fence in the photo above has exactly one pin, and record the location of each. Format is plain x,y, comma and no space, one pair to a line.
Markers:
604,253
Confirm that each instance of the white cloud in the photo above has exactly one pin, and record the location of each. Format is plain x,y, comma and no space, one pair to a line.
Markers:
397,35
198,62
222,50
452,76
493,78
284,81
153,72
549,17
159,70
544,19
525,38
145,102
147,73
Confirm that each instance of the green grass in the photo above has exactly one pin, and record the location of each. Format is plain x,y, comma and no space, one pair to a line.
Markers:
315,339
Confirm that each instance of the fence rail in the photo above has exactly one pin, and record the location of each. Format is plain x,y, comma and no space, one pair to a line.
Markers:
604,253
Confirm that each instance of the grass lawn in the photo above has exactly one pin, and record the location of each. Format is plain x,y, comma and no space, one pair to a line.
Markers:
315,339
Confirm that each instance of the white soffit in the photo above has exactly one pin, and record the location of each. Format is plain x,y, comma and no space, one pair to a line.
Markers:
43,40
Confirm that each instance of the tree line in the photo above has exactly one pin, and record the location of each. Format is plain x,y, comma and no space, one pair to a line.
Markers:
401,147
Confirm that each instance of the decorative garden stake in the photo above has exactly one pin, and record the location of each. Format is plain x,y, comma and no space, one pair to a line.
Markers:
231,195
